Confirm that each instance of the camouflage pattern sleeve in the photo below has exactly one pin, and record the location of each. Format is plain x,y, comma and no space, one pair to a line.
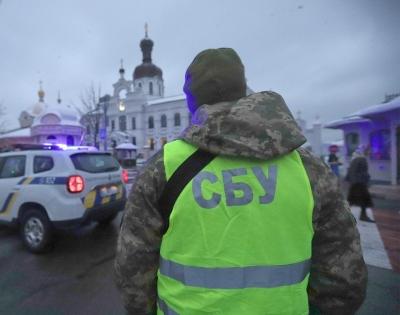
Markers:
338,276
138,248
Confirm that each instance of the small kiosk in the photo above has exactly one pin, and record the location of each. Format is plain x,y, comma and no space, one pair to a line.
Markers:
125,153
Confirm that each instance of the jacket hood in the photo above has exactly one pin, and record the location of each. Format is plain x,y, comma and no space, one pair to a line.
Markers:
215,75
256,126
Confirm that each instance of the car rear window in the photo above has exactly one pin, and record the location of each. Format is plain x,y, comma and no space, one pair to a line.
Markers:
94,162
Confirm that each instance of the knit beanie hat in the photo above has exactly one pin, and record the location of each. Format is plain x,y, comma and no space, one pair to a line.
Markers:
215,75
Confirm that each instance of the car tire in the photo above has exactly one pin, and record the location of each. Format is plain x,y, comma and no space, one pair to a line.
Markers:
36,231
107,220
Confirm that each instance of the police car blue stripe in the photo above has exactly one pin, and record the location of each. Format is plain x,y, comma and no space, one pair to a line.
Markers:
22,180
6,202
49,180
97,200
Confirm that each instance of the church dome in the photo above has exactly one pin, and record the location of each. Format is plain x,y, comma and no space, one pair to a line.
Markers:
65,115
146,70
37,109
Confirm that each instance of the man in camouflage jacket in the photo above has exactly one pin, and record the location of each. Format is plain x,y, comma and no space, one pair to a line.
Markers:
255,126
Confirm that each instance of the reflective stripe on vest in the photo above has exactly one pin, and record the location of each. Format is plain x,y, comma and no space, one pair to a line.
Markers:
236,277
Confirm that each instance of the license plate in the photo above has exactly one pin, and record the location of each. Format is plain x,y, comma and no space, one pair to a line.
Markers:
108,191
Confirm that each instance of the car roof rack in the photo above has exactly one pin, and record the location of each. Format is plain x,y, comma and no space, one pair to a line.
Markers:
30,146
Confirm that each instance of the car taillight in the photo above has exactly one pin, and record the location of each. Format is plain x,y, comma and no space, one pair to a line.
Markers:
75,184
125,176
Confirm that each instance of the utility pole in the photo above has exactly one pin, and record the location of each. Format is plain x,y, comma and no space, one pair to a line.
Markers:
104,102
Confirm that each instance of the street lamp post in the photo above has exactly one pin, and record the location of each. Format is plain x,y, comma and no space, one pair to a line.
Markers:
104,102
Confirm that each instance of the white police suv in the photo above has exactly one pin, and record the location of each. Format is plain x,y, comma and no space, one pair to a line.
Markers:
46,187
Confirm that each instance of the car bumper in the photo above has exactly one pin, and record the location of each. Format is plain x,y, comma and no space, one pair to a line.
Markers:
90,215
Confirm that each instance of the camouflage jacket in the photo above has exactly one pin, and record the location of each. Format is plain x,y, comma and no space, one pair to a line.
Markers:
258,126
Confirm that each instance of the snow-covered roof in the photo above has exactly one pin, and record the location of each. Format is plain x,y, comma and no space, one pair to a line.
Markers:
380,108
167,99
24,132
362,115
67,115
127,146
337,124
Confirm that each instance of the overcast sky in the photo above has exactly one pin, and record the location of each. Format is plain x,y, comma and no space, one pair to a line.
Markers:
327,58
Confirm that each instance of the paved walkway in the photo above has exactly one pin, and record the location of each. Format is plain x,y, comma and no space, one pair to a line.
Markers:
380,241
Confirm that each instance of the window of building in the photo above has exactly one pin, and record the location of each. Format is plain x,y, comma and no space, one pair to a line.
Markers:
122,123
140,85
379,142
151,122
177,119
51,137
42,164
12,166
70,140
112,125
163,121
133,123
151,88
134,140
352,142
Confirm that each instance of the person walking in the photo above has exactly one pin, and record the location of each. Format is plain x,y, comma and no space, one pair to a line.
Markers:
333,160
358,177
235,217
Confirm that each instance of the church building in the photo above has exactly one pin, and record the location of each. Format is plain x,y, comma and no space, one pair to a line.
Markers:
46,123
138,112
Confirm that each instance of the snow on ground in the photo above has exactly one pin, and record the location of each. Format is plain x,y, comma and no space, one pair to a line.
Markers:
371,242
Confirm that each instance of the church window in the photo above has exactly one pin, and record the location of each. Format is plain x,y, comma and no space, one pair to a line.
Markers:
177,119
134,140
133,123
151,122
163,121
112,125
151,88
122,123
70,140
140,84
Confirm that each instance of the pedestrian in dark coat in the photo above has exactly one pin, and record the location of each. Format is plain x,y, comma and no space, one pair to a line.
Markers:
358,178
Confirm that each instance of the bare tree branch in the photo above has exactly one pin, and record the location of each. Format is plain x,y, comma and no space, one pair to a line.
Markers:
90,112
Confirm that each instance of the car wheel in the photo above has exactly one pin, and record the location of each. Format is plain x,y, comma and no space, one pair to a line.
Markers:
107,220
36,231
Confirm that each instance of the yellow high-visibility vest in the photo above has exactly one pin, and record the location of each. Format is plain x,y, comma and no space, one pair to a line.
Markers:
239,237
